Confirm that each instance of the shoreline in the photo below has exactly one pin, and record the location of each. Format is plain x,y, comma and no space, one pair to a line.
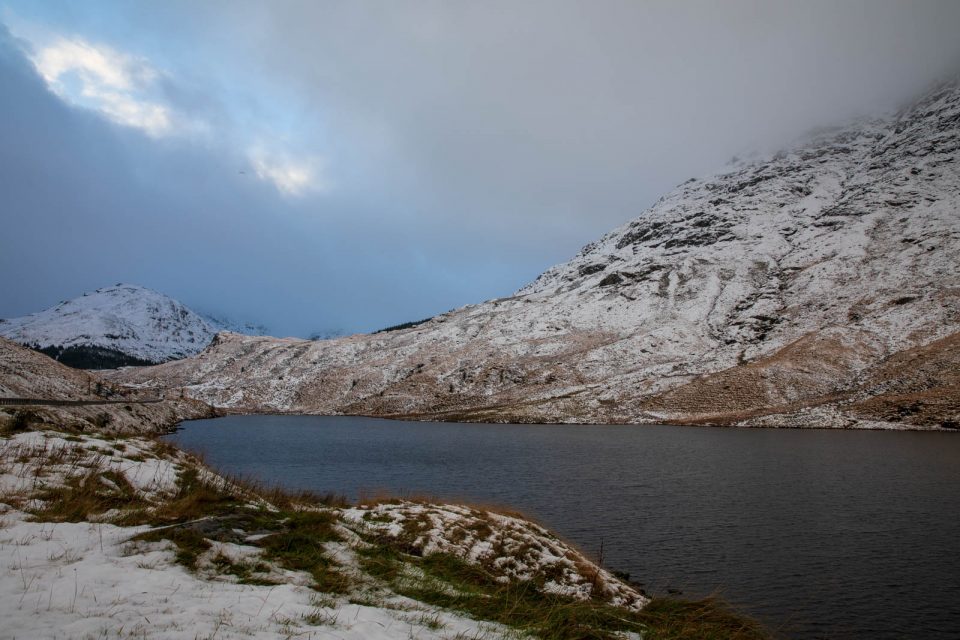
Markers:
887,426
142,477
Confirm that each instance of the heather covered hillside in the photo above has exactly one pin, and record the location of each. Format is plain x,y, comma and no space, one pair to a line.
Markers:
777,292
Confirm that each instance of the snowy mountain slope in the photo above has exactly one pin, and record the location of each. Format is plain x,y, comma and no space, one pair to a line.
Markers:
772,293
221,323
121,324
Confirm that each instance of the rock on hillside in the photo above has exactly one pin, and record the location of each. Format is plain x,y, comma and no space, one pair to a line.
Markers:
818,287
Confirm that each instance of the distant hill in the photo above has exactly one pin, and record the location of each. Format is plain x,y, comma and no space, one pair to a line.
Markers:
220,323
115,326
24,373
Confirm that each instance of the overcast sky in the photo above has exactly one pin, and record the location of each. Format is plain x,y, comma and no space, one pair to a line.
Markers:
320,166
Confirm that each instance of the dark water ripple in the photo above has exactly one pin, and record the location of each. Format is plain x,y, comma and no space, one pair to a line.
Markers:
822,534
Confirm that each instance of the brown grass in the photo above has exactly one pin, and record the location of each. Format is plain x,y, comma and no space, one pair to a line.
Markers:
251,488
84,496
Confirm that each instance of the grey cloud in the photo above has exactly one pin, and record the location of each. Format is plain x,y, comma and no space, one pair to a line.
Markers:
88,204
584,112
471,144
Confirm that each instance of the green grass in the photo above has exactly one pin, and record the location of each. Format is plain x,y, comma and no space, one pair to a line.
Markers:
202,511
296,543
177,519
448,582
299,546
191,544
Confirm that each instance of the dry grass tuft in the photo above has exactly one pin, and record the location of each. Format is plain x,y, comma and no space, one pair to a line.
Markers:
87,496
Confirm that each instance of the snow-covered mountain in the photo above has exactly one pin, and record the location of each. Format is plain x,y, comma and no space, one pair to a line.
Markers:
113,326
817,287
220,323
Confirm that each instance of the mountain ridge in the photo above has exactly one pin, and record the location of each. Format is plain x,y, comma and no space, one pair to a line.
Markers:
769,294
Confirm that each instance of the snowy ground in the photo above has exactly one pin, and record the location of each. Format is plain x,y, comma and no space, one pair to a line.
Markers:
510,547
86,580
90,579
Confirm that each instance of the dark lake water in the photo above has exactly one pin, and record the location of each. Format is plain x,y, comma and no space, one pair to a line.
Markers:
821,534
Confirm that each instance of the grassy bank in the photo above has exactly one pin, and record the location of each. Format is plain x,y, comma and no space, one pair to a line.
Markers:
444,570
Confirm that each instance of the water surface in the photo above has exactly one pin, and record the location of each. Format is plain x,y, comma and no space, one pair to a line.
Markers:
823,534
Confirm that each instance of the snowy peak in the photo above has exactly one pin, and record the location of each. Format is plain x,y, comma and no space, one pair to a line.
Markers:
113,326
790,244
835,177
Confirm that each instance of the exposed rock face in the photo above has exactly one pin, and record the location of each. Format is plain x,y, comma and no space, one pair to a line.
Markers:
115,326
809,289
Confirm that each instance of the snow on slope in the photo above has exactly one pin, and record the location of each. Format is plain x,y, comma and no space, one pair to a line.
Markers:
775,287
130,319
220,323
92,578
